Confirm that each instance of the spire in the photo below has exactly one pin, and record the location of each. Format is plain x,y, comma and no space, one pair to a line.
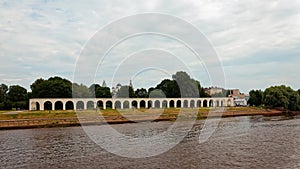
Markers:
104,84
130,84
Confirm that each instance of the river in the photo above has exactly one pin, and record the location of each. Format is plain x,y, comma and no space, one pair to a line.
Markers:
240,142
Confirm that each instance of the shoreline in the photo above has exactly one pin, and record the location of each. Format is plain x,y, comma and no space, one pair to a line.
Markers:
118,119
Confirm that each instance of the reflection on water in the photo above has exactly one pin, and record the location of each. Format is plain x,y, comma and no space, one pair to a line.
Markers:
242,142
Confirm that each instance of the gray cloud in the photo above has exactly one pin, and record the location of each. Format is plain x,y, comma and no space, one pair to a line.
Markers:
42,39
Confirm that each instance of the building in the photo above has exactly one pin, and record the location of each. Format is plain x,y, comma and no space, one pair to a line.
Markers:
114,90
240,99
214,90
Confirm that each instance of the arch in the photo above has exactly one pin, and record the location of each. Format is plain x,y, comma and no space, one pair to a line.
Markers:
164,104
211,103
205,103
157,104
222,103
90,105
192,103
79,105
118,104
185,103
134,103
229,102
126,104
100,103
58,105
216,103
178,103
142,104
35,105
149,103
108,104
172,103
69,105
47,105
198,104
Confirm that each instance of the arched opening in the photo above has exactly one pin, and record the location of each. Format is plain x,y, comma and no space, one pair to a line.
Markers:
80,105
211,103
142,104
126,104
149,104
178,103
134,104
117,105
164,104
172,103
100,104
58,105
47,105
36,105
185,103
157,104
198,103
222,103
108,104
192,103
90,105
205,103
69,105
229,103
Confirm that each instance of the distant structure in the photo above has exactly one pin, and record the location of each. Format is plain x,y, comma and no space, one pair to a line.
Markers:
239,99
114,90
130,84
214,90
104,84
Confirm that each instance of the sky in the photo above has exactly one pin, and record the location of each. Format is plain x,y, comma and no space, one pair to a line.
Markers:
257,42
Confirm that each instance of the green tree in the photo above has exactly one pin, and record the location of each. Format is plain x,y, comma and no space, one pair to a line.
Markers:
157,93
281,96
17,93
100,91
169,88
126,92
54,87
141,93
256,97
188,86
81,91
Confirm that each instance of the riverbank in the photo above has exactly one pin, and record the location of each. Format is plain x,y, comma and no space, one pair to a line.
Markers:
59,118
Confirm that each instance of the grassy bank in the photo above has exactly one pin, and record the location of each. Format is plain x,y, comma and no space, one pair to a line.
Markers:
6,115
23,119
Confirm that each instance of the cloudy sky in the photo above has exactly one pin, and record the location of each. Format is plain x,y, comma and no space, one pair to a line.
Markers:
257,42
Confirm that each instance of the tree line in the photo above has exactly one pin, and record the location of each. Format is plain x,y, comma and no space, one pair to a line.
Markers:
15,96
276,97
180,86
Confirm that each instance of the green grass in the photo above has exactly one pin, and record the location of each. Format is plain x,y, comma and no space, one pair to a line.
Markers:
169,112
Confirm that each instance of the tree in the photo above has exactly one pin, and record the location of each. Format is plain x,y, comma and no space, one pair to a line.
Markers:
81,91
281,96
17,93
17,97
103,92
4,88
126,92
3,93
256,97
54,87
188,86
157,93
141,93
100,91
169,88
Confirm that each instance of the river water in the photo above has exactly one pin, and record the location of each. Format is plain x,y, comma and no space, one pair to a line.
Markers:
240,142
